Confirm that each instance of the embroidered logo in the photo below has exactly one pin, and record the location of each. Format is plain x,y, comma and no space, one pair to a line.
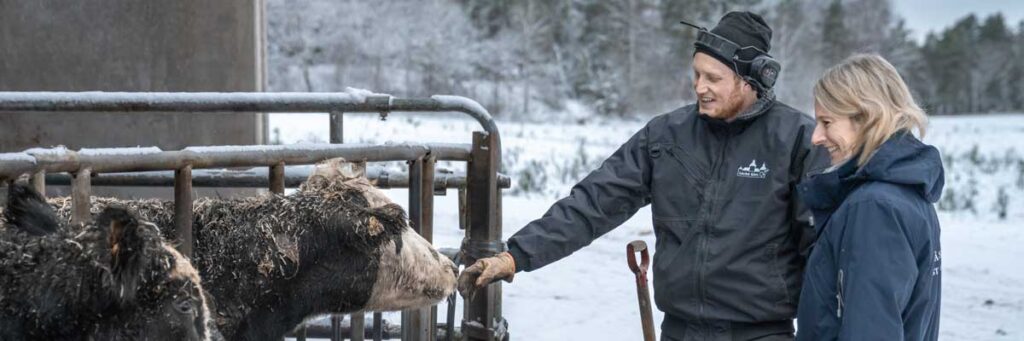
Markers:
753,171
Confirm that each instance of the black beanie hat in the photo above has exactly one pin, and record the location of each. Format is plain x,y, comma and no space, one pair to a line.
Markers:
744,29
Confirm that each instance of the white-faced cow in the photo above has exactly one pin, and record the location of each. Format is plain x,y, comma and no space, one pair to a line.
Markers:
113,279
337,245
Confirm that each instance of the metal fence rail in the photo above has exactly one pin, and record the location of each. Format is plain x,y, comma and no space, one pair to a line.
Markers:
480,202
261,178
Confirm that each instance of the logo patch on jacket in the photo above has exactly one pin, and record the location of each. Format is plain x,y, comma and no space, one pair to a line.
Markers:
753,171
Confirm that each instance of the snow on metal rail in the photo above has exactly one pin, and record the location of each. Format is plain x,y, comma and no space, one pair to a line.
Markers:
112,160
269,102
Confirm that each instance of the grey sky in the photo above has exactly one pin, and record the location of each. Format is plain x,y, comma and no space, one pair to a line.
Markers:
934,15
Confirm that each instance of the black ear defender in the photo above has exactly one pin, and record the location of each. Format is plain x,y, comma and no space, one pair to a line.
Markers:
762,71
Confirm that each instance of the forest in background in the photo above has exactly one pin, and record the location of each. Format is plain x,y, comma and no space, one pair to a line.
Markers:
531,59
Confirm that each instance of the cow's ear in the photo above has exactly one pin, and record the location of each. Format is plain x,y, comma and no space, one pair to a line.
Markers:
125,241
28,211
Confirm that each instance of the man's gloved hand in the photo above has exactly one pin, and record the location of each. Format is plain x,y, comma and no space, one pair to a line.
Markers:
486,271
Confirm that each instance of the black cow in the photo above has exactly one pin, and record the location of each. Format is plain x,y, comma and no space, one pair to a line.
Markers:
112,279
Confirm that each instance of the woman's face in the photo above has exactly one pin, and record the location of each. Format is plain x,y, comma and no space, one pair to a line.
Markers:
837,133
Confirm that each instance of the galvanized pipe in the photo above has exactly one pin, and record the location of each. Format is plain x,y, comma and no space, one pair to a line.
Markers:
134,160
268,102
258,178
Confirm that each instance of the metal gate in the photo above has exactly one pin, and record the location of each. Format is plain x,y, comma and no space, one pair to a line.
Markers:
479,188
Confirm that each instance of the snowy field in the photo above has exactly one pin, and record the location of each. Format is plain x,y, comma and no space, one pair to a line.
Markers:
591,294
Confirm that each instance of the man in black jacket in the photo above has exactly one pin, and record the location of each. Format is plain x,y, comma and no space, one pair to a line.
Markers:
720,175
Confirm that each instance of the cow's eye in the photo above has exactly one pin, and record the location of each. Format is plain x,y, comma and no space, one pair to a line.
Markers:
184,305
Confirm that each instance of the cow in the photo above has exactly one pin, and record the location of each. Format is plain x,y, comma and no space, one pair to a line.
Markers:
337,245
111,279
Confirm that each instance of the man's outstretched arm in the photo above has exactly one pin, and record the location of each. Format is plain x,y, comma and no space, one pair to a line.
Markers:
603,200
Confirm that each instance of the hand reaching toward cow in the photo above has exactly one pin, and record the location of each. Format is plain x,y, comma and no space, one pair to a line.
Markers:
486,271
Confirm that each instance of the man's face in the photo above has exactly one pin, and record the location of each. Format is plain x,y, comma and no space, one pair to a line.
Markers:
720,92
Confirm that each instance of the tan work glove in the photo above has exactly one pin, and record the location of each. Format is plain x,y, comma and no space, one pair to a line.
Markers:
486,271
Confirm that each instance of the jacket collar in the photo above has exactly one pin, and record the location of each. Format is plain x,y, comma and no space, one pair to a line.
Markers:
902,160
743,119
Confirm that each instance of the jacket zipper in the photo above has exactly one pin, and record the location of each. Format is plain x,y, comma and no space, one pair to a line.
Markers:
711,189
686,168
839,295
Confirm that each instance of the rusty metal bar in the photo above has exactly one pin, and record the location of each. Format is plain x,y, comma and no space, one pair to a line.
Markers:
183,210
115,160
81,187
277,178
358,324
337,130
38,181
482,318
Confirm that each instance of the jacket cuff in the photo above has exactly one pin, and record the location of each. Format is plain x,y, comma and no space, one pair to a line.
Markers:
521,259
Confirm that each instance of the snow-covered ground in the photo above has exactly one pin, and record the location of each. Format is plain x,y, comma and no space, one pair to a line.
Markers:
591,294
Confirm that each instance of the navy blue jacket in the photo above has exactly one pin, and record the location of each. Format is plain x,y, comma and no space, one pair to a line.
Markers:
874,272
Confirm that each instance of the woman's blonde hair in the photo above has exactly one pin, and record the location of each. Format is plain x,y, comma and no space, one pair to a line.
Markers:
868,89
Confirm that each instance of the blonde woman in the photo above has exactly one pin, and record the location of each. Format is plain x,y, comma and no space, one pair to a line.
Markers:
874,272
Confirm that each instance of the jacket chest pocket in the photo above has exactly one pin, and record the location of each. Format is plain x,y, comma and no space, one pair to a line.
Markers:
678,182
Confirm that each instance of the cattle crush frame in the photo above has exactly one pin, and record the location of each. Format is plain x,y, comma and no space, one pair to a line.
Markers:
480,196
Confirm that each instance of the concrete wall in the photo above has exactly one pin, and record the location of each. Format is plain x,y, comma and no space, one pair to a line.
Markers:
131,45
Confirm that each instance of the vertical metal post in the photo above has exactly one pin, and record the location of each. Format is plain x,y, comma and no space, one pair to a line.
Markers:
39,182
358,329
336,133
378,328
336,334
277,187
419,324
337,127
277,178
484,203
81,187
183,209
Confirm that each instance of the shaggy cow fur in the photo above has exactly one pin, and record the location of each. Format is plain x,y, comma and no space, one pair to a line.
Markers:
114,279
337,245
